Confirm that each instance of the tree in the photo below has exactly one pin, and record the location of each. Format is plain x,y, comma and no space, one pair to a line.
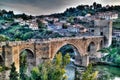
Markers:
13,73
40,24
51,70
23,65
66,59
89,74
27,35
94,5
111,53
3,38
81,7
35,74
64,26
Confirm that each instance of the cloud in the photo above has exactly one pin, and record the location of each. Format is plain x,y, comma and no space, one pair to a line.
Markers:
46,4
36,7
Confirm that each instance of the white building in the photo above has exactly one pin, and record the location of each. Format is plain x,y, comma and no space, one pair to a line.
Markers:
18,20
73,29
33,26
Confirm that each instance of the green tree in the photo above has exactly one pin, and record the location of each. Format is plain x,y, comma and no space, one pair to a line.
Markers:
89,74
66,59
13,73
40,24
35,74
111,53
3,38
27,35
51,70
23,65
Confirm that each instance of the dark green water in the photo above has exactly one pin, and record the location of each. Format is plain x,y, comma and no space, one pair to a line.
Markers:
108,72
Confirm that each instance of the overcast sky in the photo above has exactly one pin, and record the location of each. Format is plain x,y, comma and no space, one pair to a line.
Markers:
42,7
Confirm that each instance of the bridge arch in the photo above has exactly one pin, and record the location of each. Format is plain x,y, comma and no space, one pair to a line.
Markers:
29,57
73,51
91,49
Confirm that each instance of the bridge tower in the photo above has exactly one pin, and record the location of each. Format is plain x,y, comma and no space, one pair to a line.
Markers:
104,28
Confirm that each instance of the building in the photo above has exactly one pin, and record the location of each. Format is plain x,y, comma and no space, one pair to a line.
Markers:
107,15
58,25
33,26
73,29
18,20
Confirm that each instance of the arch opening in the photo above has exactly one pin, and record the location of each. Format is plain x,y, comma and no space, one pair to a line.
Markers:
27,61
91,48
91,51
73,52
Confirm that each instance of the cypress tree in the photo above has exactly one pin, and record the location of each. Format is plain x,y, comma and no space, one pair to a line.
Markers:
13,73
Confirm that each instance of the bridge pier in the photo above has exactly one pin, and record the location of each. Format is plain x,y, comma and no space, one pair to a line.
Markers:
85,60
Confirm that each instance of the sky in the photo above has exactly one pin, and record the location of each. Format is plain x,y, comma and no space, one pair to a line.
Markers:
44,7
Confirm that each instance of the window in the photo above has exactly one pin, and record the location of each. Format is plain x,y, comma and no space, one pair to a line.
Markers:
92,30
101,33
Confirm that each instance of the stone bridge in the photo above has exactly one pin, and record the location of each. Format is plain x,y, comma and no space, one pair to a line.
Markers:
38,50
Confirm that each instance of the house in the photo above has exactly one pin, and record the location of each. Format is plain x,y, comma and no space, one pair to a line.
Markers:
80,17
22,23
44,22
18,20
73,29
50,27
33,26
87,15
107,15
80,28
55,19
58,25
63,21
6,15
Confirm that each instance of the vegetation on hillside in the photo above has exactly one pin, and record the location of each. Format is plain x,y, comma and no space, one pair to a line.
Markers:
111,55
17,32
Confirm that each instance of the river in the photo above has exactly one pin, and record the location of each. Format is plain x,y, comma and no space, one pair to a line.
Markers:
70,71
105,72
110,72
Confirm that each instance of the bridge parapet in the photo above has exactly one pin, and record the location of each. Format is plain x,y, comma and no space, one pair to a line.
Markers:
32,41
68,38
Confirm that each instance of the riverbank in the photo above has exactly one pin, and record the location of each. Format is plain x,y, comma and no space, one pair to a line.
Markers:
107,72
106,63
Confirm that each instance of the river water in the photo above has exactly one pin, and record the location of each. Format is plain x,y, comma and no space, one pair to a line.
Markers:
70,71
105,72
108,72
